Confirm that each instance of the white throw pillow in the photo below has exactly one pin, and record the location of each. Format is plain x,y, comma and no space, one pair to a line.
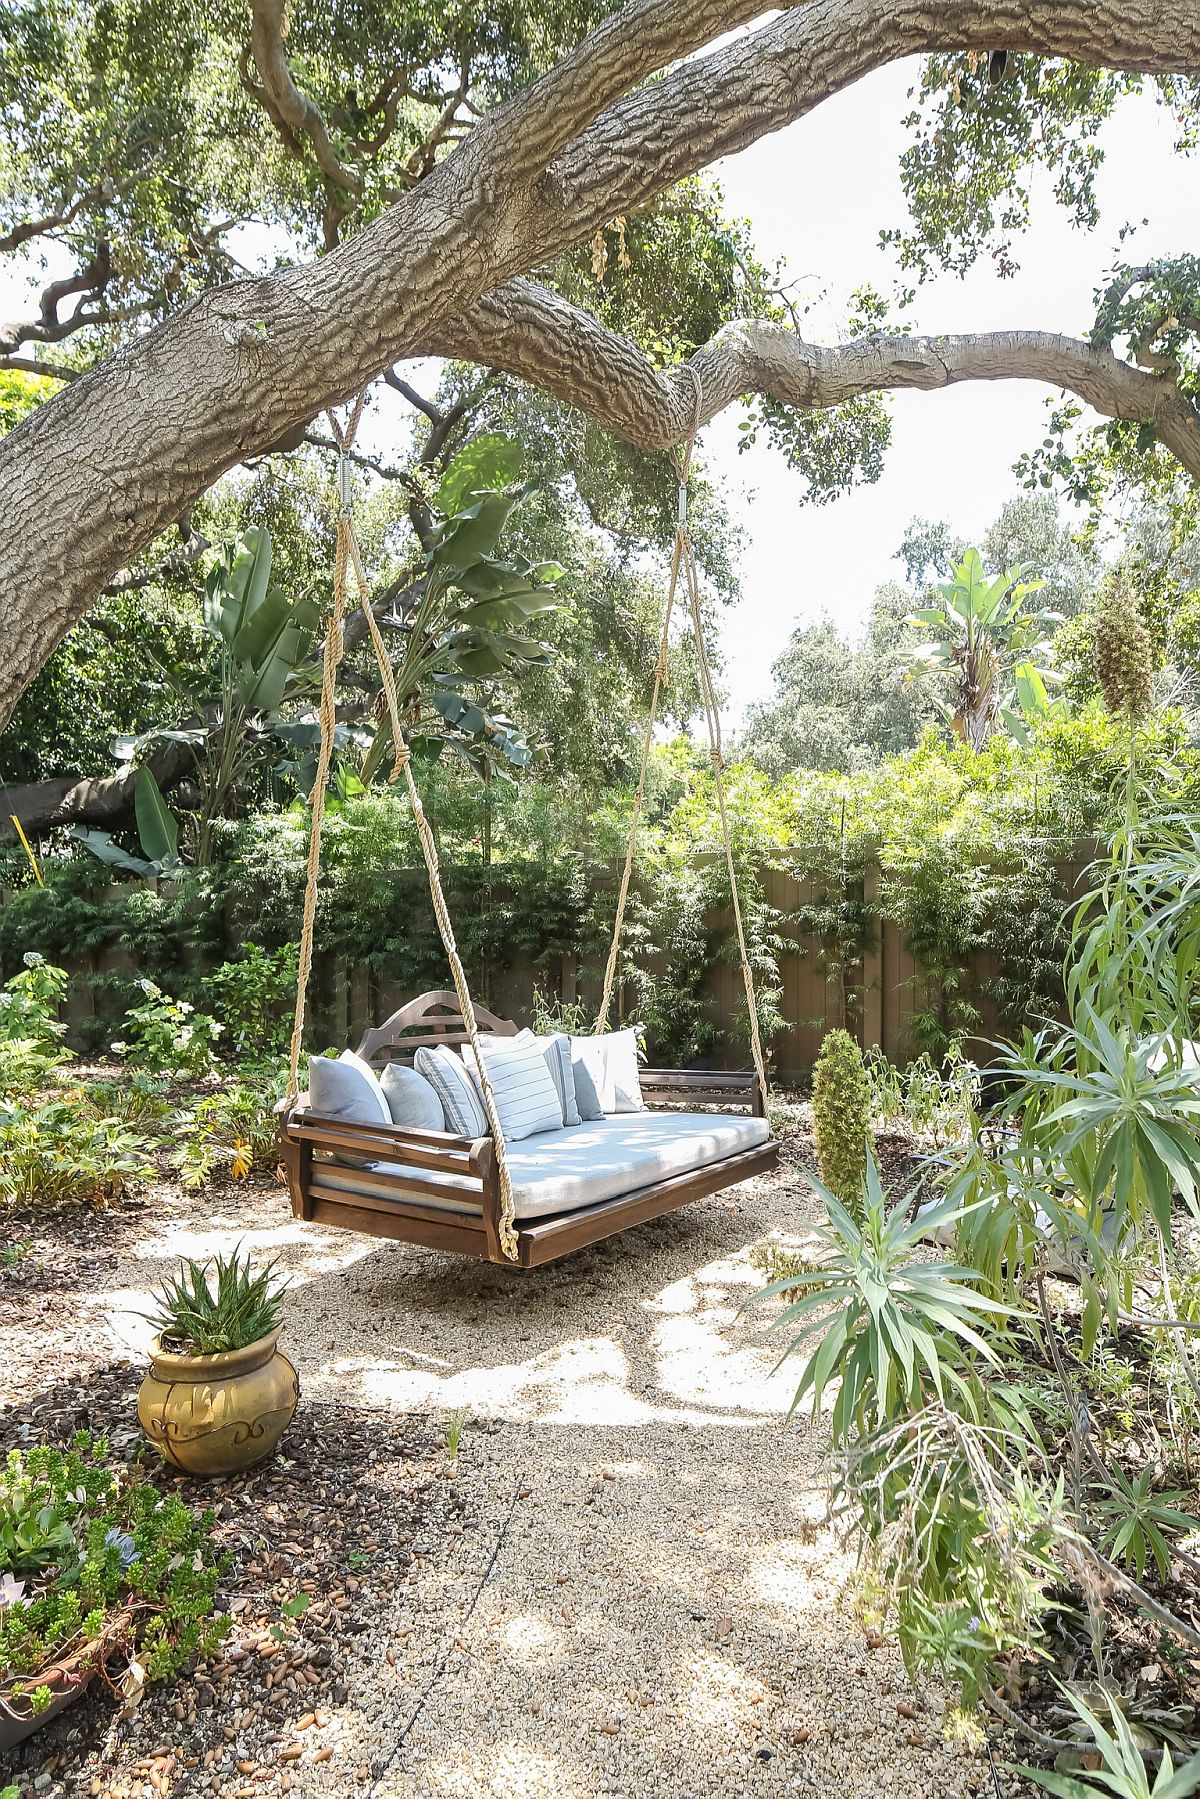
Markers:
612,1062
526,1098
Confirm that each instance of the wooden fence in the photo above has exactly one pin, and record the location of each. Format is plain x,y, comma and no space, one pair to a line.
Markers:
874,997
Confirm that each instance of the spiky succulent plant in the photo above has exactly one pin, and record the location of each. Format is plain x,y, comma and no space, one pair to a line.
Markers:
1123,649
841,1098
199,1316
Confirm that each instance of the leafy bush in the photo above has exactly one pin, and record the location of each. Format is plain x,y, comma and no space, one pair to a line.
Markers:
97,1561
967,1518
30,1032
168,1036
254,996
841,1103
231,1133
65,1151
194,1318
936,1104
929,1433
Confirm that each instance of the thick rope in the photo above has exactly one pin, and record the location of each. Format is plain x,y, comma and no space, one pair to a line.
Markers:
660,681
683,465
713,717
334,640
347,557
684,559
402,763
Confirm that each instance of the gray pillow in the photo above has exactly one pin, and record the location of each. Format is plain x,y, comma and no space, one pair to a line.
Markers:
411,1099
348,1089
586,1096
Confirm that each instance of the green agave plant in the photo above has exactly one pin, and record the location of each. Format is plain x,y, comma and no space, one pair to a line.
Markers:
199,1316
1124,1771
882,1322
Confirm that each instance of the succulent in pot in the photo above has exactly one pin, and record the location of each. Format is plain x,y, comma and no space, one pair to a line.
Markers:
99,1573
220,1392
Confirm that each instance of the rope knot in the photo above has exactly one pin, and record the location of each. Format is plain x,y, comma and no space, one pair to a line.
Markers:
717,757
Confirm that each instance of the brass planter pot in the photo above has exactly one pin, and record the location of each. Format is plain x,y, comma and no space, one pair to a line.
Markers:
218,1414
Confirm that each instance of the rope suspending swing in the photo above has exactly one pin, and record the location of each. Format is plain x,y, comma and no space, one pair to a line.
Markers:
347,559
683,561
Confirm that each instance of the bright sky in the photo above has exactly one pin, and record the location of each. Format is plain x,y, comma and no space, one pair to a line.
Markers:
818,194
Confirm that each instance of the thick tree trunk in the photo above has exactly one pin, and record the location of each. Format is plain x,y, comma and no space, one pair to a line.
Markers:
92,477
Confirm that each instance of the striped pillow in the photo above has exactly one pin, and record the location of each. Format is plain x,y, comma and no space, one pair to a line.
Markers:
526,1097
461,1104
557,1050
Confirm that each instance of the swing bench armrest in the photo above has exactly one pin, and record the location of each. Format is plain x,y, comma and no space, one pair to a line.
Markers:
691,1087
438,1160
385,1142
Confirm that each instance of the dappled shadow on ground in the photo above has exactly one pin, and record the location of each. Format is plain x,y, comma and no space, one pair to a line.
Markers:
667,1612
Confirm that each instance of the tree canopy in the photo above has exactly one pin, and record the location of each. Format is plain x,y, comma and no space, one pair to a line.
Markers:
524,191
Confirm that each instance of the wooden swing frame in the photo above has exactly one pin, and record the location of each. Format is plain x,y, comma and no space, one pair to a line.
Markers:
464,1169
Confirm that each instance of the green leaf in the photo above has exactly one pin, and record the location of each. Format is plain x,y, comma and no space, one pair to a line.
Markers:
105,850
472,533
489,461
158,828
233,594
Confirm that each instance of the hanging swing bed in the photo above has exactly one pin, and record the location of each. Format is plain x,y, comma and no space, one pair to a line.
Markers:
514,1203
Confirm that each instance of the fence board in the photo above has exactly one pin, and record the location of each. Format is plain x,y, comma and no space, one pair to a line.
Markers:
874,999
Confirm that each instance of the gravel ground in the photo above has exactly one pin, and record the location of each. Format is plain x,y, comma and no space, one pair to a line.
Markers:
620,1584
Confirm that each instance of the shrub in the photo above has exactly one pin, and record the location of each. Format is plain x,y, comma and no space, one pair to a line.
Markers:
99,1561
30,1032
254,997
199,1319
936,1104
231,1133
67,1152
168,1036
841,1098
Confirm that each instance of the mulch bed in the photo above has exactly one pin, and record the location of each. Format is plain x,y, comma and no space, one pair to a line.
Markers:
346,1515
324,1541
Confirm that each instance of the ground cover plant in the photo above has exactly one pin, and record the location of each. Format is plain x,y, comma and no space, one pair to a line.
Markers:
102,1571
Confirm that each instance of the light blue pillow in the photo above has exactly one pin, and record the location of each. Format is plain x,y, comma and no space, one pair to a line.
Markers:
411,1099
557,1050
346,1088
461,1104
587,1094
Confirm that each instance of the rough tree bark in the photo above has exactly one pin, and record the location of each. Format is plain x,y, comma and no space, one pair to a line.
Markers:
93,476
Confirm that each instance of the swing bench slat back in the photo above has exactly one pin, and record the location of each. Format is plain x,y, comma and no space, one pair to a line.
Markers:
447,1196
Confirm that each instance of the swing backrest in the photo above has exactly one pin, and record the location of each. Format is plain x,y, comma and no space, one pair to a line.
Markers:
428,1020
